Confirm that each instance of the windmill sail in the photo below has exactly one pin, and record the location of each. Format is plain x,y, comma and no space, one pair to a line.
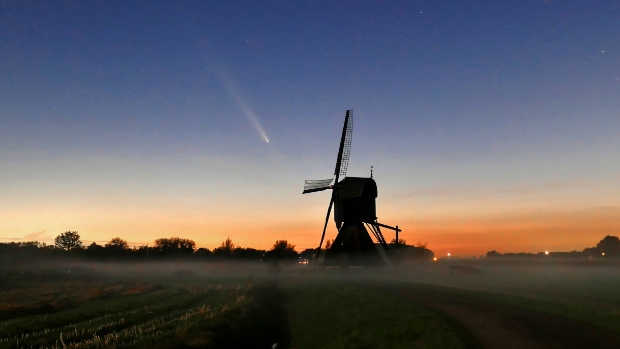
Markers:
312,185
344,152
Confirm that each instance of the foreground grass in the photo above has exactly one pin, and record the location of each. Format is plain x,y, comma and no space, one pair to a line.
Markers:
208,315
599,315
350,316
326,310
169,316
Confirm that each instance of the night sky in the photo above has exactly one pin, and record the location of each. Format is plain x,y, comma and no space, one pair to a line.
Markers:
490,125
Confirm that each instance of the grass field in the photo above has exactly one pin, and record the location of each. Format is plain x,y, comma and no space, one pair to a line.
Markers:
69,312
201,312
582,291
355,316
330,309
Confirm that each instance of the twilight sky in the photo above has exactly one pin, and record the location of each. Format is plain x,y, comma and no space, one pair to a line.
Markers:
490,125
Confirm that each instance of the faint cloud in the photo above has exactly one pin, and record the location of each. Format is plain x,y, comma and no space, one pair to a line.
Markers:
440,192
514,189
608,209
40,236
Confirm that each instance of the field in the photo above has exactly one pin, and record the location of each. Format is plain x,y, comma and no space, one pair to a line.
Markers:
105,312
439,305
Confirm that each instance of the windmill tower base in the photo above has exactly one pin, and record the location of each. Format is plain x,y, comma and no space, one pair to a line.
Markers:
353,247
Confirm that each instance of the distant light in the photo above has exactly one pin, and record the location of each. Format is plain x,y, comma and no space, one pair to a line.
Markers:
603,253
448,254
435,259
546,252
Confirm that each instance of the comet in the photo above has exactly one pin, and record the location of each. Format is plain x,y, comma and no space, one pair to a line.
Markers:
249,113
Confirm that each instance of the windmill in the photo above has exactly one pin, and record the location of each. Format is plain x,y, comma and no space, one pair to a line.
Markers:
353,199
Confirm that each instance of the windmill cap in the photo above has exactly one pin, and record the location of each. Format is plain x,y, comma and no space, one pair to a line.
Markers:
351,187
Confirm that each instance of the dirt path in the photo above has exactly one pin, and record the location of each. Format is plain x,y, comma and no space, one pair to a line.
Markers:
498,326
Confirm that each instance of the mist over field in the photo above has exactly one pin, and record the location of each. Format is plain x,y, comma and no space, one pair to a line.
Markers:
183,298
551,278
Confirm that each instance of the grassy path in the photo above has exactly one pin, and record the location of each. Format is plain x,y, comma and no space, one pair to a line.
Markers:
506,322
339,316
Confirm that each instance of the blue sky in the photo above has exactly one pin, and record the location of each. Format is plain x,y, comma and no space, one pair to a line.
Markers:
157,104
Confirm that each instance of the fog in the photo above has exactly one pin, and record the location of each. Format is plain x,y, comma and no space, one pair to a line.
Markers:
552,279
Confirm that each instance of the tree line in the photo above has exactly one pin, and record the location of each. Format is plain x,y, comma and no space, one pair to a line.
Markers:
69,243
608,247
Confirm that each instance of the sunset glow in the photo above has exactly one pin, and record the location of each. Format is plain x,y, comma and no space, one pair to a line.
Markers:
207,127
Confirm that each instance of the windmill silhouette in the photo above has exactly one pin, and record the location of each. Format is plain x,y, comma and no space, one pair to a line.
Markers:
355,213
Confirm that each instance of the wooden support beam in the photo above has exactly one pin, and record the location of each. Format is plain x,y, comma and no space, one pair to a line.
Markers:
387,226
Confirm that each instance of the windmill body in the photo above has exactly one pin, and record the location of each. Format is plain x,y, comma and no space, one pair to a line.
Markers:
355,213
355,200
354,205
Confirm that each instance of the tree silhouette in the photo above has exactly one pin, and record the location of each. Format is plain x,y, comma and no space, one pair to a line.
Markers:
117,243
203,252
226,248
94,250
329,243
493,254
248,253
308,253
282,249
282,245
69,240
421,244
400,242
175,244
610,246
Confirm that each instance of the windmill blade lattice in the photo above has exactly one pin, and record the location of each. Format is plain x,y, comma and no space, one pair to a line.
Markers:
346,151
312,185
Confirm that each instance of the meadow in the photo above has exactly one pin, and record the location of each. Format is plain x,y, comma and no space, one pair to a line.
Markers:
428,305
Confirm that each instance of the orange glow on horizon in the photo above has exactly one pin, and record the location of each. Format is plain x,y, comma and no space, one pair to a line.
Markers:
461,237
